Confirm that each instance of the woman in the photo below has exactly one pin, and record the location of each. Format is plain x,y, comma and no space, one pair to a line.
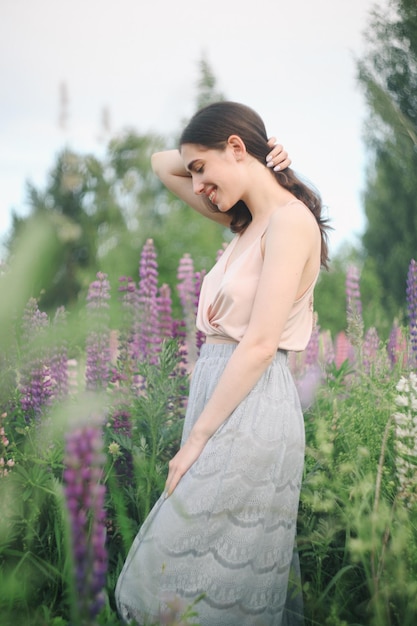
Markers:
225,525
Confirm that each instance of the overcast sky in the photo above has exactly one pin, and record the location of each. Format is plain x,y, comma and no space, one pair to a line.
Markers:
293,61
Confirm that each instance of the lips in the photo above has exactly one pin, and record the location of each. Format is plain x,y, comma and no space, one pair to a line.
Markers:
212,196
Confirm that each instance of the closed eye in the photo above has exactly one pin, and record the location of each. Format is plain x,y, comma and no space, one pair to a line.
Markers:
195,167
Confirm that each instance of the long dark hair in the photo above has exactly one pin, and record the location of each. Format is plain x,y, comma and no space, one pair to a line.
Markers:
212,126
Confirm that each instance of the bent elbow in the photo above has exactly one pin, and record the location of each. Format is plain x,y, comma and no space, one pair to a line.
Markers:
264,352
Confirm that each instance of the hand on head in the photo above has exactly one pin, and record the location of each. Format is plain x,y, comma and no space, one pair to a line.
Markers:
278,158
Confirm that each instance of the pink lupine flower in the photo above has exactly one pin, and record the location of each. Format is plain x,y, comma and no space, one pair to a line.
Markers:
343,349
186,291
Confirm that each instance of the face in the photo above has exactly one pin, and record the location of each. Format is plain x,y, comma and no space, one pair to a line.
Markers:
215,174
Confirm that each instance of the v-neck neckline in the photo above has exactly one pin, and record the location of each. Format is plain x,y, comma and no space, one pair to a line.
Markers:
232,246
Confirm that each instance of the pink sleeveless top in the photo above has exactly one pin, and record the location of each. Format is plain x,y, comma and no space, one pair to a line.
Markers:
227,297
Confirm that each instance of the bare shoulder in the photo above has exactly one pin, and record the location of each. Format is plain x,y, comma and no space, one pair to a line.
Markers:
293,217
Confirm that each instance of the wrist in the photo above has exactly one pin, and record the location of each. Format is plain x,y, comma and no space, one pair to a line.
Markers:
199,436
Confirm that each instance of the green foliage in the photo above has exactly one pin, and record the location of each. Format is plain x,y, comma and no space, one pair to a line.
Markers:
388,77
330,294
357,538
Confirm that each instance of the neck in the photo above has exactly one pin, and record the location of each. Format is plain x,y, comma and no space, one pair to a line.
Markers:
264,193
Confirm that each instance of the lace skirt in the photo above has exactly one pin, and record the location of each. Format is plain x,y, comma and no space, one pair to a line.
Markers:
227,532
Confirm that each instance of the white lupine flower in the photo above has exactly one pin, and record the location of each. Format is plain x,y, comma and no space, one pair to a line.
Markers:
402,385
405,420
401,401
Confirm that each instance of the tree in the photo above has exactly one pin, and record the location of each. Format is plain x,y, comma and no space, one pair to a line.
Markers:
388,75
103,210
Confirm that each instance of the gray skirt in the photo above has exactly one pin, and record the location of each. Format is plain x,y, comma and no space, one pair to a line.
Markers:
227,533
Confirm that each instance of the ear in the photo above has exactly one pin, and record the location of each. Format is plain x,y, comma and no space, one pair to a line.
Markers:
236,144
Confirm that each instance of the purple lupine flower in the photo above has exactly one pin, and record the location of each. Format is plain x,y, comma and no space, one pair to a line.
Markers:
370,349
121,423
149,339
397,346
59,358
98,337
35,375
165,312
129,348
199,337
353,295
311,353
84,494
412,306
308,383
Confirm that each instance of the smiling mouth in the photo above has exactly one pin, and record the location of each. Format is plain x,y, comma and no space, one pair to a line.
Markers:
212,196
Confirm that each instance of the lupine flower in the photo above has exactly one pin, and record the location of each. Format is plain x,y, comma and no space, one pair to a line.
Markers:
165,312
311,353
370,349
186,291
353,295
121,424
59,358
84,461
326,348
397,346
149,339
343,349
307,384
199,337
405,419
185,275
98,338
6,461
353,305
129,348
412,306
35,372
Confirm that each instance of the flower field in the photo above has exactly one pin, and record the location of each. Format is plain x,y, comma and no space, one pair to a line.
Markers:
91,408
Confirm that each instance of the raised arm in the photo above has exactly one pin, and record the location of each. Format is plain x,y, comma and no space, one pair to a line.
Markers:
169,168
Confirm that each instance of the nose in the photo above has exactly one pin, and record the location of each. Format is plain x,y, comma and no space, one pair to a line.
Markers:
198,187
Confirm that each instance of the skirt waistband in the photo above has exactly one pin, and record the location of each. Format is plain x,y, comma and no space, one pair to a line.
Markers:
225,349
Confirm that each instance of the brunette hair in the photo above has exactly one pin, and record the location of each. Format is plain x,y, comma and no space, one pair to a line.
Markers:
212,126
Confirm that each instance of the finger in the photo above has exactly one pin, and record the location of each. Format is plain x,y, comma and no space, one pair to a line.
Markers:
280,159
277,152
283,165
173,479
272,142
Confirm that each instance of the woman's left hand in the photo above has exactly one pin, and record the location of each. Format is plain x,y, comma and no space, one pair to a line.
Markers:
182,461
278,158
